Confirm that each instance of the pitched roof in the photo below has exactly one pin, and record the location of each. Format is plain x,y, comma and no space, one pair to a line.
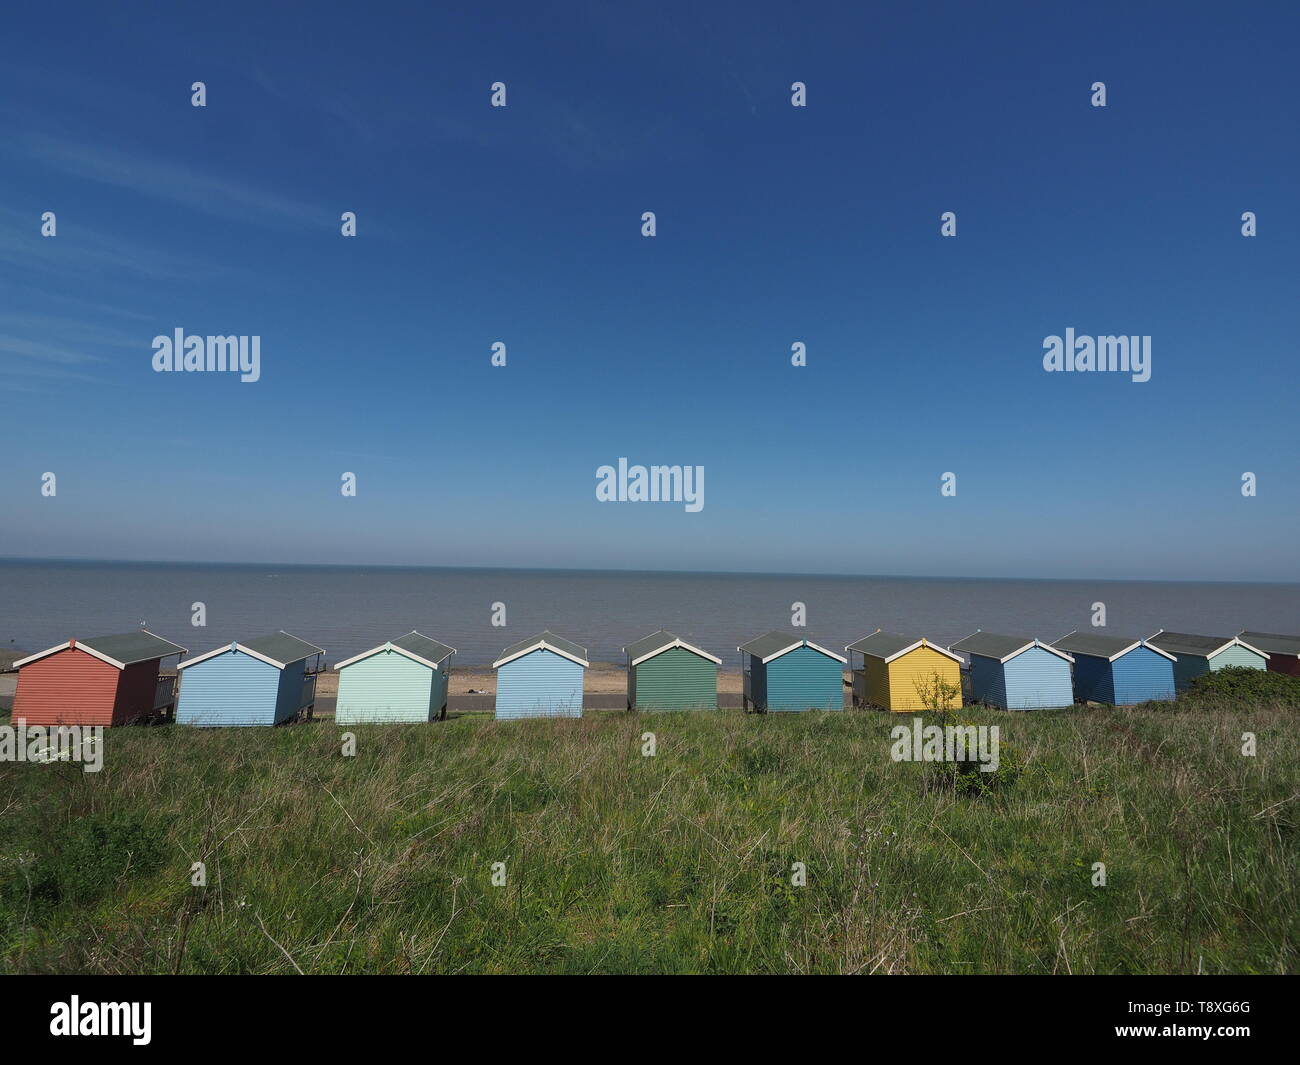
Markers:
279,649
282,648
774,644
657,642
1275,643
548,641
890,645
1099,645
1001,648
1187,643
413,645
121,650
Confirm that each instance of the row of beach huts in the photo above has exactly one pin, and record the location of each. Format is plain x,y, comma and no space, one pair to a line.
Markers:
114,680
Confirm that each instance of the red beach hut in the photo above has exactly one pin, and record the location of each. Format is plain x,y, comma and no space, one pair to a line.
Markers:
105,680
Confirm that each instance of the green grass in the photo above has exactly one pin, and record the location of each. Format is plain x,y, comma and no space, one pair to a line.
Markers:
681,862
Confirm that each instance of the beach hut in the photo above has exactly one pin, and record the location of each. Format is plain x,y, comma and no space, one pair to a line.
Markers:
1015,672
264,681
785,672
899,673
667,673
1206,654
104,680
540,677
1283,651
402,680
1119,670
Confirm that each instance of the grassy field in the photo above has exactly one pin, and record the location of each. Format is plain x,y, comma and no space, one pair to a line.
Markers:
680,862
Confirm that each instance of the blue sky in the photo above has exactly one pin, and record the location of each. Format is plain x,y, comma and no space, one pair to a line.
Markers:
775,225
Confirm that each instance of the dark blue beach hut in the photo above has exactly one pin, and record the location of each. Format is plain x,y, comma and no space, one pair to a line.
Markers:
1119,670
786,672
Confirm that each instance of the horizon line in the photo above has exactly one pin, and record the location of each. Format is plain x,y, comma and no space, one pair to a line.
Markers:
657,572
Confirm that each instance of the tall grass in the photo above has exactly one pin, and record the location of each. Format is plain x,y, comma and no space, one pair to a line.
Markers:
680,862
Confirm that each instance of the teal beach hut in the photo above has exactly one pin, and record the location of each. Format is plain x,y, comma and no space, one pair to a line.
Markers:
786,672
404,680
265,681
1195,655
540,677
1118,670
667,673
1016,672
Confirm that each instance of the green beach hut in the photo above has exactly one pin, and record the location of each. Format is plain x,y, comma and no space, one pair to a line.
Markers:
667,673
404,680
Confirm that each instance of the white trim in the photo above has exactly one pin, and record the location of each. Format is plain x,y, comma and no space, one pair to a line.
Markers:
99,654
390,646
41,654
540,645
1151,647
205,656
1207,655
1018,651
923,642
795,646
236,646
1046,647
1120,653
677,643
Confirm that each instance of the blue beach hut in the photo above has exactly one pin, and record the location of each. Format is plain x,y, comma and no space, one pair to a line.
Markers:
1015,672
787,672
540,677
264,681
1119,670
1206,654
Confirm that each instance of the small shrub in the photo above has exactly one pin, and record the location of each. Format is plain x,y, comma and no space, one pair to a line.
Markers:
938,695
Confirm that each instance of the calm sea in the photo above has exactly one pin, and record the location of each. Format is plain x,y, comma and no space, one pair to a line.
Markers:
349,609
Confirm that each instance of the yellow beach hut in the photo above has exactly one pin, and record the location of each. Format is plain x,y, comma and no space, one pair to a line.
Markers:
905,673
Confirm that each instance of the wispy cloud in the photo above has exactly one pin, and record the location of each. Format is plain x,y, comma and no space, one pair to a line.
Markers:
78,250
169,180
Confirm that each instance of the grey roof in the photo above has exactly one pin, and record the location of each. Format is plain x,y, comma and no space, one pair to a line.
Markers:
1094,644
769,643
1186,643
283,648
883,644
558,642
423,647
1275,643
130,647
647,644
991,644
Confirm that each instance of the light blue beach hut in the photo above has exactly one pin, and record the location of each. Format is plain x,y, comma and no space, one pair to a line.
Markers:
1206,654
540,677
1015,672
404,680
1119,670
264,681
787,672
